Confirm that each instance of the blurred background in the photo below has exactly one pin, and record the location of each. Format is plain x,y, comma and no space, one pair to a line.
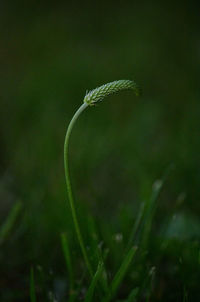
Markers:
51,53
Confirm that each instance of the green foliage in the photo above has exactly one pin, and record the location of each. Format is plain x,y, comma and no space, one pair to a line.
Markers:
95,279
50,53
117,280
69,266
32,286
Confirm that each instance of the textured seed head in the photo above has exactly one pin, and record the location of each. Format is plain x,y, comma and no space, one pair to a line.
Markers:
98,94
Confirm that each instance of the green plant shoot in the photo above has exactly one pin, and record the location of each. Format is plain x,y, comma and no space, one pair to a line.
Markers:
90,99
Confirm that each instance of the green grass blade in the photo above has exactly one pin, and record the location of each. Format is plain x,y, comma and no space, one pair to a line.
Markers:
136,225
120,274
32,286
150,208
96,277
146,287
97,253
8,224
151,205
132,295
66,252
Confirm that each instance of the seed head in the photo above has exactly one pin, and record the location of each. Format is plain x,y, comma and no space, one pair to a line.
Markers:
98,94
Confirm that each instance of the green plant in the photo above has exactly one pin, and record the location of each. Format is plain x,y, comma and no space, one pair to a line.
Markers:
32,286
92,97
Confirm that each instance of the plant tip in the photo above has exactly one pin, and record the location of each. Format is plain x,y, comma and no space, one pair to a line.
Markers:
98,94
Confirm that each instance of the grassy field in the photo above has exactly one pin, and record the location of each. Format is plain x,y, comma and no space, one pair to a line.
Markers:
134,161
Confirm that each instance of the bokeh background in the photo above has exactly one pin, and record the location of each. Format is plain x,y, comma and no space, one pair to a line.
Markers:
51,53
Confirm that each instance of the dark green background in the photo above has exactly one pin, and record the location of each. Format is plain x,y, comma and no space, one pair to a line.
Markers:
51,53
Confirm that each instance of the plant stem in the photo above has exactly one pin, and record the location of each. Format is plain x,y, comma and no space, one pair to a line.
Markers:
69,189
92,97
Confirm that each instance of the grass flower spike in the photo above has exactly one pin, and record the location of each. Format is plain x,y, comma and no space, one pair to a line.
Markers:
98,94
91,98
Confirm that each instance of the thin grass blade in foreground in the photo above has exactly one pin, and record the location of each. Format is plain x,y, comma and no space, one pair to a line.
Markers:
32,286
120,274
97,253
8,224
66,252
151,205
95,279
90,99
136,225
132,296
150,208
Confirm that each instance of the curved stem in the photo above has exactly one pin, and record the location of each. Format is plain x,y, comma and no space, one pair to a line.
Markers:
69,190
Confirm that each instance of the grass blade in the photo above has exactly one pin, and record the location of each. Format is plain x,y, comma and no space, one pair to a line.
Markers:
90,292
132,295
32,286
8,224
66,252
136,225
120,274
97,253
151,205
150,208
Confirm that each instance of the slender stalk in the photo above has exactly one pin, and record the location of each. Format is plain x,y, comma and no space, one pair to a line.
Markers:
91,98
69,189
